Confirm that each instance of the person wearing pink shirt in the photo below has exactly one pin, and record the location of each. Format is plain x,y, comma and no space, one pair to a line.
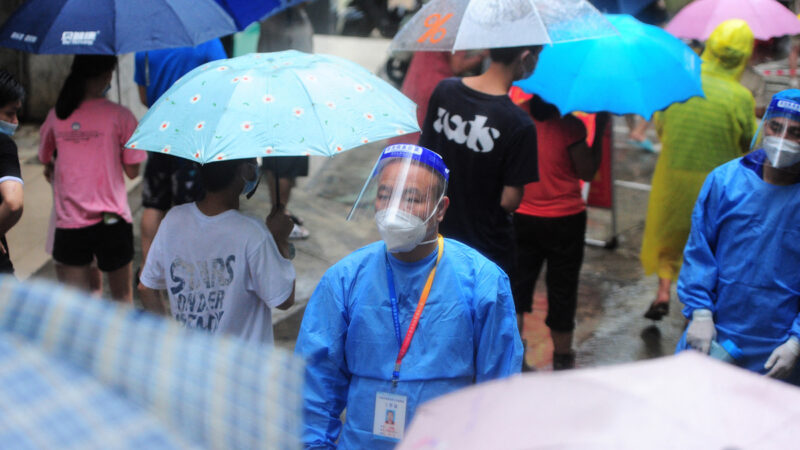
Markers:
83,137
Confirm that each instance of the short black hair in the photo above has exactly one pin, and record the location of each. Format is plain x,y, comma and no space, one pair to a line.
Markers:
218,175
11,91
507,55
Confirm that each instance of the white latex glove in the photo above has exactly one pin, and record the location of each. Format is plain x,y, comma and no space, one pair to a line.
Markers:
782,360
701,330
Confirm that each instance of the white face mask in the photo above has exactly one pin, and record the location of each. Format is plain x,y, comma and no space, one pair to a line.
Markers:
781,153
400,230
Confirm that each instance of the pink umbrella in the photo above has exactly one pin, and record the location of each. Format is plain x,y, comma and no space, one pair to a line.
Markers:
687,401
767,18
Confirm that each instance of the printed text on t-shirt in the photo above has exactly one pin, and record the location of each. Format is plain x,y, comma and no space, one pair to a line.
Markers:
478,137
199,290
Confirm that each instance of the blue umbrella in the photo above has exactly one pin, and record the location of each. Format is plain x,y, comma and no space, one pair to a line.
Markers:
113,26
245,12
620,6
642,70
273,104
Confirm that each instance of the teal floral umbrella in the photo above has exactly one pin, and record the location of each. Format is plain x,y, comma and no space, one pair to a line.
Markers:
273,104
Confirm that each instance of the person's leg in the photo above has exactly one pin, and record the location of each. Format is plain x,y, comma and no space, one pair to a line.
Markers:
72,253
157,195
75,276
95,281
567,235
119,282
114,251
526,270
151,219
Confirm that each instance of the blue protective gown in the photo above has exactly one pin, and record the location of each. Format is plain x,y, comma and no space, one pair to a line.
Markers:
467,334
742,260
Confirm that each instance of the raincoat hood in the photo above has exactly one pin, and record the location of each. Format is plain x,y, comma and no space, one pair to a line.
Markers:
728,48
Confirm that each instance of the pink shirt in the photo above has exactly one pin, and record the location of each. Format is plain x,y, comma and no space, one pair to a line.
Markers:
89,178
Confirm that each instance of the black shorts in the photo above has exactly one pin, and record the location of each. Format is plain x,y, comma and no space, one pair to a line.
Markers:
286,166
111,244
169,181
559,241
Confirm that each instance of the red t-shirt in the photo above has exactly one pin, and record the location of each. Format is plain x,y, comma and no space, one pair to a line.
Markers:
558,191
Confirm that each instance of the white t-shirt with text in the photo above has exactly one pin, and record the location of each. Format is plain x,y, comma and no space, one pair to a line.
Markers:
222,273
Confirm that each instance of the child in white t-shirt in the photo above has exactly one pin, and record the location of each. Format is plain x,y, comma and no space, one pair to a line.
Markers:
223,271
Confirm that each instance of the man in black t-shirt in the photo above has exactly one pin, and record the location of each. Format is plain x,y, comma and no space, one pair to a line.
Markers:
489,144
11,96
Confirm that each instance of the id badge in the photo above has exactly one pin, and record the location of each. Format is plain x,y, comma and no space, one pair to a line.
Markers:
390,415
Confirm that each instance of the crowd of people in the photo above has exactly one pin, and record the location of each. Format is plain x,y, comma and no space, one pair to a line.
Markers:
469,212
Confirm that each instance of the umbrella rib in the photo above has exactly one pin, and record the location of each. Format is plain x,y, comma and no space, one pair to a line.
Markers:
180,20
314,109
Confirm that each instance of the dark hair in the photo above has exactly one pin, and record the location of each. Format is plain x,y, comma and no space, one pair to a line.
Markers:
541,110
10,89
218,175
84,67
507,55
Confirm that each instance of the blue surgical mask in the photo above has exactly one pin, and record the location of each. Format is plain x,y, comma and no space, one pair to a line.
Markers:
8,127
251,185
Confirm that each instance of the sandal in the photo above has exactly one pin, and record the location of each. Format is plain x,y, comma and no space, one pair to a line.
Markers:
657,310
295,219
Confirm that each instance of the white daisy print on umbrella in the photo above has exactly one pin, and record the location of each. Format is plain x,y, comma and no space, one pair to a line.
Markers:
268,98
364,140
197,154
298,112
269,150
166,149
235,79
330,105
247,126
360,88
133,145
222,68
219,157
200,125
311,78
369,116
195,98
164,125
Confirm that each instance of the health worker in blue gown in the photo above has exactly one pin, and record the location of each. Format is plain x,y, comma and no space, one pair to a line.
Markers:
740,280
403,320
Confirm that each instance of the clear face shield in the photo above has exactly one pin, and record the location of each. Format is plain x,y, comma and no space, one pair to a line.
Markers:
779,135
403,194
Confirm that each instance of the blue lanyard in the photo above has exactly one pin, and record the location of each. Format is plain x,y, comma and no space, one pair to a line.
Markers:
393,298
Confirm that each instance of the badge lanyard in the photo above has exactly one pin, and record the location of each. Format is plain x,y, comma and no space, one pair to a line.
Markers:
412,327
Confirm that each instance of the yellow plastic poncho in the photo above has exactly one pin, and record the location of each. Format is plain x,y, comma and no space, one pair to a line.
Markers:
696,137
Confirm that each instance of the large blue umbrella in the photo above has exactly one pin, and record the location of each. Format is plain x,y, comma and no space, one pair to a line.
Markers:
245,12
642,70
113,26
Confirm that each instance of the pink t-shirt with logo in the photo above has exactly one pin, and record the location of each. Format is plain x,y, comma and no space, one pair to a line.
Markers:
89,177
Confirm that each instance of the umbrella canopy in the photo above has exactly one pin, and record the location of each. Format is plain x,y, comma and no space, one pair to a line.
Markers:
77,372
450,25
686,401
273,104
245,12
621,6
641,70
113,26
767,18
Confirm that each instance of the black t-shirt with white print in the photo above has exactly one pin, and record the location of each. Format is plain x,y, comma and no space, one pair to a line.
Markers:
487,142
9,172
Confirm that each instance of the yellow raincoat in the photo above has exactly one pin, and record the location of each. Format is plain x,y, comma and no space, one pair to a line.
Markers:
696,137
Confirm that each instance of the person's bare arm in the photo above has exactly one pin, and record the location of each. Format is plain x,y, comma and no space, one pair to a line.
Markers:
11,208
151,300
131,170
142,94
511,198
289,300
585,160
